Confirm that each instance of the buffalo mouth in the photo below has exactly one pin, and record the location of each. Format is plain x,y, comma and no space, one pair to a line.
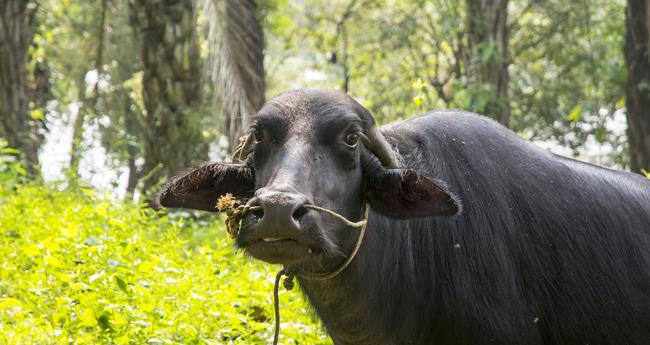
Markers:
279,250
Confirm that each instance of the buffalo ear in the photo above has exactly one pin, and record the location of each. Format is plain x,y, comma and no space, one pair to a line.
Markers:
201,187
403,193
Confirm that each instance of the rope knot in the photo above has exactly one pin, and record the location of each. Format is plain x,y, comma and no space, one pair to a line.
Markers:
288,281
235,210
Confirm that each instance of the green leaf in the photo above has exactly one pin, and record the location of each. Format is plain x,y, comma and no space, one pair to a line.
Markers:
487,53
31,250
645,173
10,150
104,321
122,284
575,114
601,134
37,114
620,103
418,84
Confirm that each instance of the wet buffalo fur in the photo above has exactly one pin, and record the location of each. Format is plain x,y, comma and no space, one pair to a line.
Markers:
546,249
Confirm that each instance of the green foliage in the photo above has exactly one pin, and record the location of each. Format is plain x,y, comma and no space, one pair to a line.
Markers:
408,57
567,54
12,170
402,58
80,268
645,173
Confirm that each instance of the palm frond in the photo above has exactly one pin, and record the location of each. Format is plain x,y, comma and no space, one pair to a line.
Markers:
237,62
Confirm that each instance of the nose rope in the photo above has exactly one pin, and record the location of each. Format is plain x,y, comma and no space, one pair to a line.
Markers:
340,217
288,281
236,210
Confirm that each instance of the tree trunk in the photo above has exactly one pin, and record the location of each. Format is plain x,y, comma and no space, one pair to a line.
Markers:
86,104
130,123
487,40
171,84
237,40
16,121
78,127
637,59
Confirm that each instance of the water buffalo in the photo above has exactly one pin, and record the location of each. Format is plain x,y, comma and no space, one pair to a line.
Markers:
475,236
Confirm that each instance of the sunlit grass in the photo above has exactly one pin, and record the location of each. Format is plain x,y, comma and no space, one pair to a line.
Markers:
81,269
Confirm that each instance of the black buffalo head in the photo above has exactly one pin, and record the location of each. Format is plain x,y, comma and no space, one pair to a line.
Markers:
316,147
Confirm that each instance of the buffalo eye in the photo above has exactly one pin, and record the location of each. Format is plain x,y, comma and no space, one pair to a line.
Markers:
258,134
351,139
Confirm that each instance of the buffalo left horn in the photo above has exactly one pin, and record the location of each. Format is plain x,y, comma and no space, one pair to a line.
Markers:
378,145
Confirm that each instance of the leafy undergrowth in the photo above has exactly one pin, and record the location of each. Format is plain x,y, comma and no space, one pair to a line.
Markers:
77,268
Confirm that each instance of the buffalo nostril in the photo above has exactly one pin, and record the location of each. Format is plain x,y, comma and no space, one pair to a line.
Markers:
258,213
300,212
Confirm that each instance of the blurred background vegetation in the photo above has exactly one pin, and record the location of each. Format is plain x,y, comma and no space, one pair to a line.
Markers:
101,101
126,93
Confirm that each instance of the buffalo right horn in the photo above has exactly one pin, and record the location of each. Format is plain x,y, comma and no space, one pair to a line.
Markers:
244,148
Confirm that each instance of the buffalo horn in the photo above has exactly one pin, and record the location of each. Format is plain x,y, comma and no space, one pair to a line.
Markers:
244,148
375,142
381,148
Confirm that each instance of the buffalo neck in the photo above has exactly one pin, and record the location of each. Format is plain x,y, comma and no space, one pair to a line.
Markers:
367,303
